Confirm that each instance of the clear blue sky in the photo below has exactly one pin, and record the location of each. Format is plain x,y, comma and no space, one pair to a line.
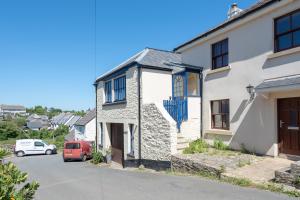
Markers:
47,46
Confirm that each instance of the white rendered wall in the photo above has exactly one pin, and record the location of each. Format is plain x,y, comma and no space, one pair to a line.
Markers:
252,123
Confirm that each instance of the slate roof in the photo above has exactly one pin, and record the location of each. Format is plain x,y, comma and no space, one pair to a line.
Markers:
70,136
150,57
12,107
87,118
73,120
279,82
252,10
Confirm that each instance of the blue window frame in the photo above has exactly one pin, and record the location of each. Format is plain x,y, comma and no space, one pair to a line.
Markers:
120,88
107,92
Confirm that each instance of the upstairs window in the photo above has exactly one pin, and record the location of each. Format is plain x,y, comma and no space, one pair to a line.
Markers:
287,31
220,114
107,90
220,54
120,88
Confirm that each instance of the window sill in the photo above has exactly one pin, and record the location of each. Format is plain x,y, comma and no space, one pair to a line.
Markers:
218,132
129,155
284,53
114,103
222,69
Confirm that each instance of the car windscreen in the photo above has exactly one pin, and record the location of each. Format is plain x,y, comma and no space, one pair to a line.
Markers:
72,146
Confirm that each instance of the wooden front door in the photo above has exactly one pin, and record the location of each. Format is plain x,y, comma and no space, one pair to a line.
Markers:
117,143
289,126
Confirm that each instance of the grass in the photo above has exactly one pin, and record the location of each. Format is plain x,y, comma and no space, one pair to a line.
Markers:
197,146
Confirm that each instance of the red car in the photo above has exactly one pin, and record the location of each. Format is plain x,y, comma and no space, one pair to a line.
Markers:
77,150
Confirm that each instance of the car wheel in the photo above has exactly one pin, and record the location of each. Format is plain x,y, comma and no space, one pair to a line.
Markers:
83,158
48,152
20,153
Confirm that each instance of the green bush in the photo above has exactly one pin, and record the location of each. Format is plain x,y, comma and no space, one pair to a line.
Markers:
9,129
3,153
59,141
62,130
219,144
197,146
13,185
97,157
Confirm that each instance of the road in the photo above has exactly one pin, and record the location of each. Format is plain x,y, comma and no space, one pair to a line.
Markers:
83,181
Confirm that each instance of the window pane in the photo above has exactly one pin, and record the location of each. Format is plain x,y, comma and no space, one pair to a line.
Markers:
193,84
225,121
285,42
283,25
296,38
215,107
225,46
217,49
219,62
225,60
225,106
296,20
218,121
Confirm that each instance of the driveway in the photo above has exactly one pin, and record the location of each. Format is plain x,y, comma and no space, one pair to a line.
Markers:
77,180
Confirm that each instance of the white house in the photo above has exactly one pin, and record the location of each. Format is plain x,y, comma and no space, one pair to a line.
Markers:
148,108
12,110
85,128
251,77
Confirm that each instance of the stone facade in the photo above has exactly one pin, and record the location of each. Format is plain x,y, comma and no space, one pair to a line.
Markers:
158,133
125,113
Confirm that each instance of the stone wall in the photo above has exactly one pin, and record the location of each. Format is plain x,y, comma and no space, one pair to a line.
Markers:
126,113
159,137
182,163
289,176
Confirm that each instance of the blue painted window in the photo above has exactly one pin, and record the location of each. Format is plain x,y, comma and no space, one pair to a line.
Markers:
178,86
120,88
108,92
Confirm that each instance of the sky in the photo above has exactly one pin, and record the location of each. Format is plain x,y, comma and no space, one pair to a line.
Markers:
47,47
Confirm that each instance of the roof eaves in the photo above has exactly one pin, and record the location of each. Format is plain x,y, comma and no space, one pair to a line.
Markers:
228,22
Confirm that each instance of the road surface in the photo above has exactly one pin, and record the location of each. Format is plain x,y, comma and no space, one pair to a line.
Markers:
84,181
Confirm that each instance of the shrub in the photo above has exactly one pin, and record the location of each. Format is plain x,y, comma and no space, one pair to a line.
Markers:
3,153
97,157
13,185
219,144
197,146
59,141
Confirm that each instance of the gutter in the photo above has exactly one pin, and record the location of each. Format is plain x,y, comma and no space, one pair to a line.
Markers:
139,114
96,137
201,106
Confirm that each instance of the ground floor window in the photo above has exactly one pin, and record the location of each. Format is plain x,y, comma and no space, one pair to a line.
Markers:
220,114
131,140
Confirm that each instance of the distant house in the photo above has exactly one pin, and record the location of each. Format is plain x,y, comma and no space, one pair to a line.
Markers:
67,119
85,128
37,122
12,110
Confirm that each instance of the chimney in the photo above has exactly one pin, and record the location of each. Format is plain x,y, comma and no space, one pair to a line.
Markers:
233,10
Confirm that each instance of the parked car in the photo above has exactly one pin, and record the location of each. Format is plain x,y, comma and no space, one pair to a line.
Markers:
33,146
77,150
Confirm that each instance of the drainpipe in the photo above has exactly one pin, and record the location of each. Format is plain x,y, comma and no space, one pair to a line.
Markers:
139,114
96,137
201,104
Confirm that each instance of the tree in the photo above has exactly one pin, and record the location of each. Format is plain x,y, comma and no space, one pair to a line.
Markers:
9,129
11,179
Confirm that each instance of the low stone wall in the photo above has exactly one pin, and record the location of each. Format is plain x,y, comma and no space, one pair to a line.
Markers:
182,163
289,176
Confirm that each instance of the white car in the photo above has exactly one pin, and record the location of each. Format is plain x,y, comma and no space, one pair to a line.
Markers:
33,146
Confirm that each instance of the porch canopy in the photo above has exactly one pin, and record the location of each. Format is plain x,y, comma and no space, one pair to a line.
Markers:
284,83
